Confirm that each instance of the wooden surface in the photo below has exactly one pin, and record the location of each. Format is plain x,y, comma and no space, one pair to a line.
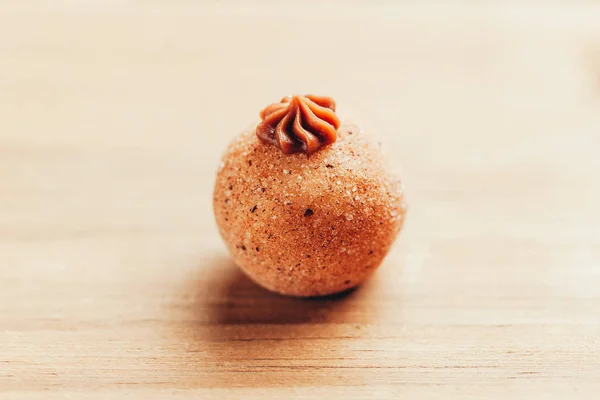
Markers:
115,284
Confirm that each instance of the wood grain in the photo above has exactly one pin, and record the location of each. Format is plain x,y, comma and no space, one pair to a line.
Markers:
115,284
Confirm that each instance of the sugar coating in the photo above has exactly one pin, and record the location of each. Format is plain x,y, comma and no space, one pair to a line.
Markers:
308,225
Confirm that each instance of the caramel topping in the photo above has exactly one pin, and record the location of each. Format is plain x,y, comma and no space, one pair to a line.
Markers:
299,124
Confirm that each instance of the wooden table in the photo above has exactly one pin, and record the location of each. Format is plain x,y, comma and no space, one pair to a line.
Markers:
115,284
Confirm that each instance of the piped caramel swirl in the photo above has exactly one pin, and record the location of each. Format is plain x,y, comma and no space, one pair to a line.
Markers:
299,124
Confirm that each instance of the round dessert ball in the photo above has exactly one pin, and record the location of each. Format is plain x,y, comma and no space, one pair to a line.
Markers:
308,225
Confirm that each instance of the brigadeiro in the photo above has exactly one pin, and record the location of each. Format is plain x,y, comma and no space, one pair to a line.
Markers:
306,203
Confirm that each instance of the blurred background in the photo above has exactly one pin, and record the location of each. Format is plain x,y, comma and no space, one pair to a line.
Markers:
113,117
